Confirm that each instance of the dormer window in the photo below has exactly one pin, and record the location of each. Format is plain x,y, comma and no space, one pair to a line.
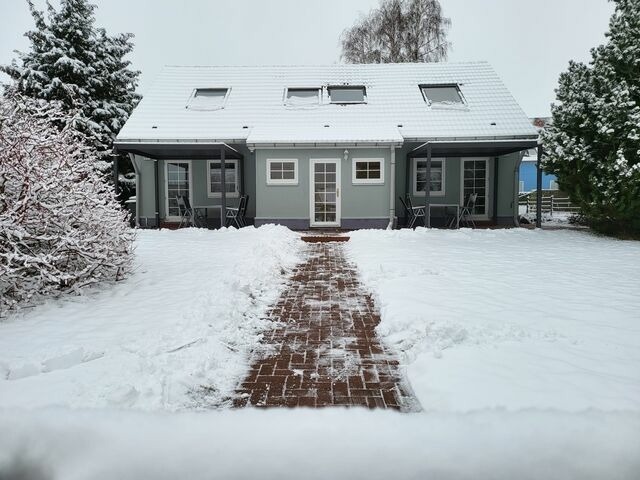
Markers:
347,94
442,94
208,98
302,96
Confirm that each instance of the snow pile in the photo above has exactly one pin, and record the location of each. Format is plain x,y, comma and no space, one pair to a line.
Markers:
175,335
508,318
322,444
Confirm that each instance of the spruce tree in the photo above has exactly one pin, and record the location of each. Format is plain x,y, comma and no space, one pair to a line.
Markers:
74,62
593,145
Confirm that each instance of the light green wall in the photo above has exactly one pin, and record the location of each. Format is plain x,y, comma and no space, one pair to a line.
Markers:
293,202
358,201
199,184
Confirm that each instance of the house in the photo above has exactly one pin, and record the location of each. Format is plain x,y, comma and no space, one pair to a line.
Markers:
528,170
327,146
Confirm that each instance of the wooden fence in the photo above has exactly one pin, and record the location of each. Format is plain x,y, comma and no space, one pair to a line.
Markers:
550,204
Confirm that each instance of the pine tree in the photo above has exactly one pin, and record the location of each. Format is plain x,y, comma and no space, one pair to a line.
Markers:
81,66
61,227
593,145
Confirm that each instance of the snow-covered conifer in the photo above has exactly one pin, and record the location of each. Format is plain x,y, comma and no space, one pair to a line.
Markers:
61,227
593,145
80,65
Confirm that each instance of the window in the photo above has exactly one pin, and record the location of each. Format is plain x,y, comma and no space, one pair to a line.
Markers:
442,94
282,172
420,176
208,98
368,171
215,178
178,183
347,94
302,96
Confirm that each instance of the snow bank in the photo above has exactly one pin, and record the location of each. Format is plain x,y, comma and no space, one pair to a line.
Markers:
175,335
511,319
337,444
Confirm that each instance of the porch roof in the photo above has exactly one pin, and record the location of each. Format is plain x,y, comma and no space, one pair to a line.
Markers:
177,150
474,147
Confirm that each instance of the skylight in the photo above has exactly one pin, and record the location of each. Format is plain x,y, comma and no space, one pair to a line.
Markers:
442,94
208,98
347,94
302,96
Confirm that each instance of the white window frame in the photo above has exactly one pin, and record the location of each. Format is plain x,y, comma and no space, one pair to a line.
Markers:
208,109
166,187
414,177
286,181
367,181
487,184
288,104
348,87
236,192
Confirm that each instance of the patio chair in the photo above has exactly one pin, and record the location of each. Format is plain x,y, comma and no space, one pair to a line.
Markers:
188,216
465,212
414,212
237,215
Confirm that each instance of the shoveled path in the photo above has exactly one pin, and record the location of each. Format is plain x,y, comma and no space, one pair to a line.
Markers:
324,350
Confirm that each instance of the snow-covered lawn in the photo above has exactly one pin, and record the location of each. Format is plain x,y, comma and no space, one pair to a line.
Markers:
175,335
510,319
523,348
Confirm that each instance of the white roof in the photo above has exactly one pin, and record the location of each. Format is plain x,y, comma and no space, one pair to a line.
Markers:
255,112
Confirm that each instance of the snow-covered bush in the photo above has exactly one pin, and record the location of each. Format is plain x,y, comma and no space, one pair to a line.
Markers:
593,144
61,227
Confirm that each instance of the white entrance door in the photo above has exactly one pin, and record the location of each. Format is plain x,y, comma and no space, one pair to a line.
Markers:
325,192
475,179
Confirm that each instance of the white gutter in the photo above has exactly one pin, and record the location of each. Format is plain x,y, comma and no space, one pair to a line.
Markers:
392,189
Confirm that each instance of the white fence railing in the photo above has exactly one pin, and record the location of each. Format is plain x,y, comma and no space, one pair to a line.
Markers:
550,204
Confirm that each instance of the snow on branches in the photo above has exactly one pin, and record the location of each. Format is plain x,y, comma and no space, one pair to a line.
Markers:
61,227
593,145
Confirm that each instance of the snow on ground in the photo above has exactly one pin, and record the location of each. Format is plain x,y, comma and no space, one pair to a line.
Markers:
174,335
510,319
298,444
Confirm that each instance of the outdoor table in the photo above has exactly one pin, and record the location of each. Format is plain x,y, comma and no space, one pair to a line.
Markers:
419,211
205,207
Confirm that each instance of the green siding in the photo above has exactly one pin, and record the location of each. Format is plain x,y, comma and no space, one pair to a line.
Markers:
292,201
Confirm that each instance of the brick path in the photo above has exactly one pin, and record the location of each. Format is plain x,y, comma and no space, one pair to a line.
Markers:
323,350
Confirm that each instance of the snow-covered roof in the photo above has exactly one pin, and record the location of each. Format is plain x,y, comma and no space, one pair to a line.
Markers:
255,112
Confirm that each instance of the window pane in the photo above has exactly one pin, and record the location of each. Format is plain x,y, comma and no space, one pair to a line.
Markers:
362,174
346,94
374,174
290,166
215,177
288,175
302,96
446,95
208,98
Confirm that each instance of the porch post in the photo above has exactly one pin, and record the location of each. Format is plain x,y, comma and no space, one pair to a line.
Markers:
427,191
539,189
223,186
116,179
496,164
157,189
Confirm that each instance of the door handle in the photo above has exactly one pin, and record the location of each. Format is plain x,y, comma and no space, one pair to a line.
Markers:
337,192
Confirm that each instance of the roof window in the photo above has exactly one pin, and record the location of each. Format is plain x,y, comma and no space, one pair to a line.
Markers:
442,94
347,94
302,96
208,98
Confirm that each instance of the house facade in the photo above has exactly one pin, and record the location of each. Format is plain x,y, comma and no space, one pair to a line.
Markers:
328,146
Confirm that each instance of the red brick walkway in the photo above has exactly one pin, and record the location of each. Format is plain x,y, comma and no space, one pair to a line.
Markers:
323,350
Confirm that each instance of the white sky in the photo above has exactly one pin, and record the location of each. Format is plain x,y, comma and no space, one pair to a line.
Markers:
529,42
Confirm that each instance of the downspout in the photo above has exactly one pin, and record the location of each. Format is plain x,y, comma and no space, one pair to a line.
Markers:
539,188
138,187
392,190
157,195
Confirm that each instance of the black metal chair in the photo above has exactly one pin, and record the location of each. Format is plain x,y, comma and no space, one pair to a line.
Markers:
237,215
188,216
416,212
466,211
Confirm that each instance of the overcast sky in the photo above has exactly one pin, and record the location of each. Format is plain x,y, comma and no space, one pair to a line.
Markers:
529,42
